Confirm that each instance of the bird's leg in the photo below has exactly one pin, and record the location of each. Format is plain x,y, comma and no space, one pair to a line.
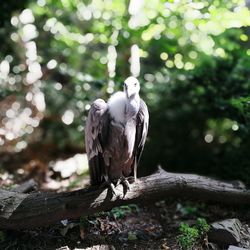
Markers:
110,185
118,182
133,178
135,171
125,184
130,179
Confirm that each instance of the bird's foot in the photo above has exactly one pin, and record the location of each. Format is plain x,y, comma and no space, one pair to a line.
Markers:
110,186
131,179
125,183
113,189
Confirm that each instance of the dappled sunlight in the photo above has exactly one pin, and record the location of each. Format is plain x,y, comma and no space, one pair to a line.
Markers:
190,31
192,59
68,117
65,54
135,61
76,164
21,119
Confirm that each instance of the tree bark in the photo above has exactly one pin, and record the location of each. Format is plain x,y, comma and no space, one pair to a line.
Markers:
21,211
25,187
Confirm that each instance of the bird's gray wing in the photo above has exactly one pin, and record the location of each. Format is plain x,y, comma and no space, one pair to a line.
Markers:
95,135
142,121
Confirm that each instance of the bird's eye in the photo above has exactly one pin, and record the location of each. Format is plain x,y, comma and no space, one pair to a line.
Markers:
135,84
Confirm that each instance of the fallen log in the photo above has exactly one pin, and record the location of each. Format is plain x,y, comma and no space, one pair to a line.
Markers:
21,211
25,187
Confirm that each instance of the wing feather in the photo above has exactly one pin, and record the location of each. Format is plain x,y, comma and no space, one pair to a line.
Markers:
95,134
142,121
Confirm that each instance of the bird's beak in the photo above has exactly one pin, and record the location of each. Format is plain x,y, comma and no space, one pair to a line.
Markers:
129,92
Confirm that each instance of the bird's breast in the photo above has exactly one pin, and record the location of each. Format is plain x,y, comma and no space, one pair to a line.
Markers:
118,154
129,132
122,138
131,109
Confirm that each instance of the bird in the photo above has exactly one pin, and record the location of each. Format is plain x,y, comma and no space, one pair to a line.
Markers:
115,135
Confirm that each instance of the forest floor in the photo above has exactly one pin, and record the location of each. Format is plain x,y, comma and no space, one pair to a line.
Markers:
147,226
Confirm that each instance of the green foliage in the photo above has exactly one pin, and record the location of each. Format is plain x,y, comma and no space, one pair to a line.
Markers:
84,221
2,236
208,110
202,225
188,236
242,105
122,211
188,210
132,236
7,8
191,235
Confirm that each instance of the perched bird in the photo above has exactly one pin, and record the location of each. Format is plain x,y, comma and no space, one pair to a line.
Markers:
115,135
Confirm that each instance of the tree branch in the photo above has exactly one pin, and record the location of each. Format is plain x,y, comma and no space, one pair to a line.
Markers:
25,187
20,211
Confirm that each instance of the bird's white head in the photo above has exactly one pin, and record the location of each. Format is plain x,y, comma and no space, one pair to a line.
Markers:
131,87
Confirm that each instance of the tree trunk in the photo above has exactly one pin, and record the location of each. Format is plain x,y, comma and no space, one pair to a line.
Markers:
20,211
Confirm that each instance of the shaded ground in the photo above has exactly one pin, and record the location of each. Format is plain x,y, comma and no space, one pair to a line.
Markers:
148,226
127,227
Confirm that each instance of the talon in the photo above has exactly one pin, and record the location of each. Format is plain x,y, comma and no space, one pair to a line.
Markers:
126,183
118,182
131,179
110,186
126,186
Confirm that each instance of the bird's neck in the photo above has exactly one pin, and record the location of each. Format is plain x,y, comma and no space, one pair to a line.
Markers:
132,106
133,98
